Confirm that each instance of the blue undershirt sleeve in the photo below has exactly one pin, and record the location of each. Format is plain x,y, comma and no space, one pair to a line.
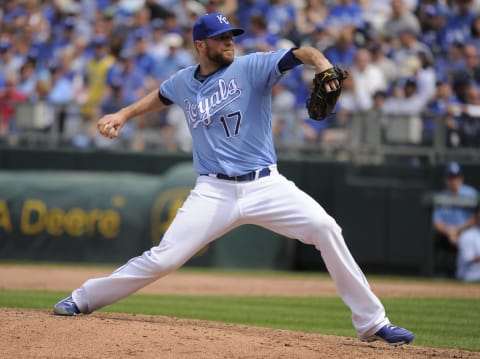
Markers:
164,99
288,61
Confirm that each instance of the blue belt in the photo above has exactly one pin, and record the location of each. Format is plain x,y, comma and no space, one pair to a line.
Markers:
251,176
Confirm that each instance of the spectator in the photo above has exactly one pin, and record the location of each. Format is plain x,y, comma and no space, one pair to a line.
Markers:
298,81
175,58
345,13
71,10
450,219
318,38
22,47
471,64
368,79
257,37
187,11
312,131
2,81
74,61
426,77
405,105
327,136
9,61
470,114
249,8
379,99
458,23
157,47
432,20
378,51
133,79
283,115
106,26
60,94
475,33
177,131
438,111
226,7
96,73
37,27
310,15
28,78
401,19
156,10
412,4
114,22
342,52
139,27
144,61
170,24
468,255
66,37
376,13
9,97
113,101
114,98
14,17
406,55
281,18
347,110
450,63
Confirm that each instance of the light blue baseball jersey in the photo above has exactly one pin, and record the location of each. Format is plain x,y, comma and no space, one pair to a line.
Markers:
229,114
456,216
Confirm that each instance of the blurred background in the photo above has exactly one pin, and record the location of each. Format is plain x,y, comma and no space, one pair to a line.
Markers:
410,106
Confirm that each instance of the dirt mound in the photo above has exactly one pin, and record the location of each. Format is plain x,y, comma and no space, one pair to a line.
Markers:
40,334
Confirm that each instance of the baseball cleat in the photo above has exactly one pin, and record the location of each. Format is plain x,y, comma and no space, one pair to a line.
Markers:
392,335
66,307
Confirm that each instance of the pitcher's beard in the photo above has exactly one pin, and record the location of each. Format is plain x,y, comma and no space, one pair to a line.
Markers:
220,59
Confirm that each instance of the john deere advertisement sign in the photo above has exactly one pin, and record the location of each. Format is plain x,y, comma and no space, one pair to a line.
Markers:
80,216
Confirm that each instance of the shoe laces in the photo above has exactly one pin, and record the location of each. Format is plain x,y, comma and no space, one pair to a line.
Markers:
70,301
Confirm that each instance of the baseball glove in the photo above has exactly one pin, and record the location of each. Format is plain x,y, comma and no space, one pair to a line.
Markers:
321,103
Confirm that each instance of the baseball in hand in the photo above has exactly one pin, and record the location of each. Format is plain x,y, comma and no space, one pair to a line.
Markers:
108,130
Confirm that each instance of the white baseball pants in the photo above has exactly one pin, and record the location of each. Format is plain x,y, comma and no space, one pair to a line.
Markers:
215,207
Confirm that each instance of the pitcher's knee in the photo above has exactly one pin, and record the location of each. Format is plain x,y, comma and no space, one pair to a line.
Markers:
325,230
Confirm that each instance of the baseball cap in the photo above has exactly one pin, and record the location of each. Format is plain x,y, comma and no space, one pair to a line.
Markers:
69,23
173,40
453,169
210,25
320,27
5,45
410,81
432,10
99,40
157,24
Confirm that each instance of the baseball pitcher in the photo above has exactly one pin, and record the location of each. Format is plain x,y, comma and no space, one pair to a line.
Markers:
227,105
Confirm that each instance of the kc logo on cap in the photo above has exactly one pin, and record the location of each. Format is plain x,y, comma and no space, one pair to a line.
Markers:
222,18
211,25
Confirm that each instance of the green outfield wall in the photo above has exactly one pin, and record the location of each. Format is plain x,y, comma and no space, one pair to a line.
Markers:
100,206
87,216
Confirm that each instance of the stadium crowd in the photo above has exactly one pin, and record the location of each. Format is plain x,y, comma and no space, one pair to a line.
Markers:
418,59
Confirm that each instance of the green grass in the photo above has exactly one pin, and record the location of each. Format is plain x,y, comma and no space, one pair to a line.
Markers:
437,322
